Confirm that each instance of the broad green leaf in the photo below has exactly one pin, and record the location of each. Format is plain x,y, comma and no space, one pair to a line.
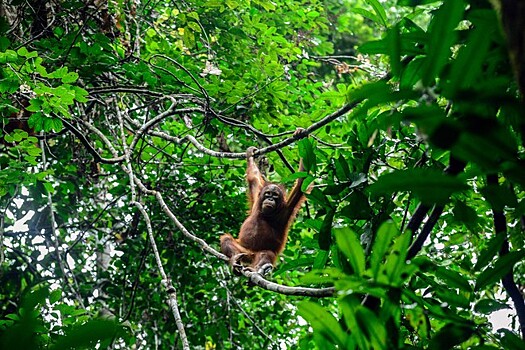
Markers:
55,296
368,14
488,306
319,197
511,341
379,10
80,94
449,336
499,197
306,151
322,322
451,297
396,260
394,50
342,170
372,327
465,214
501,267
69,78
378,92
349,244
349,306
359,207
320,259
25,53
430,185
442,37
9,56
489,251
407,44
467,66
452,278
88,334
325,233
412,73
383,240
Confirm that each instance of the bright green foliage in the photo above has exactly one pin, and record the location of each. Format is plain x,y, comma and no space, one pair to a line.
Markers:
415,155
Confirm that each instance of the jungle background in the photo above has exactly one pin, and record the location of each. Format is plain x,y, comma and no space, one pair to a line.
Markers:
122,159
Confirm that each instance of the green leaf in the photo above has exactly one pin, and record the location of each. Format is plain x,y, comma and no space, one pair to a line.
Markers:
349,306
359,207
69,78
342,170
319,197
465,214
88,335
412,73
490,251
378,91
57,125
25,53
488,306
452,278
80,94
467,67
55,296
306,151
349,244
325,232
502,266
384,238
372,327
442,37
430,185
396,260
511,341
499,197
450,335
48,124
379,10
393,38
322,322
320,259
9,56
368,14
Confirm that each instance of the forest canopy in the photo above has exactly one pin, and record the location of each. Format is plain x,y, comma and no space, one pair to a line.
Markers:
125,127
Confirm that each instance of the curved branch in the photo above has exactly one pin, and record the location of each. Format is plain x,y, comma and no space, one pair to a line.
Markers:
98,158
260,281
277,146
201,88
305,132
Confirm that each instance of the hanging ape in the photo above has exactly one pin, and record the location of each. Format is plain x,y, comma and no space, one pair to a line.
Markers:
265,231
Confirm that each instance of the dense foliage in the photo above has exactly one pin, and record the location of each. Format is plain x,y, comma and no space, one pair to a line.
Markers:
125,126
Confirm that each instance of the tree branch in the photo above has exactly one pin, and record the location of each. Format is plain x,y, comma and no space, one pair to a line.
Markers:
508,282
455,167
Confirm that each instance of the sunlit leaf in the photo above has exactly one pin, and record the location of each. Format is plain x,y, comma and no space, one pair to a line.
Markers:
322,322
349,244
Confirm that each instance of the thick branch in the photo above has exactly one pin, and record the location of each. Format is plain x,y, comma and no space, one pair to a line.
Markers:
508,282
259,280
425,232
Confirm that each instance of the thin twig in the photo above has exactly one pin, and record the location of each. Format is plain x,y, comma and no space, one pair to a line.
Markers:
54,231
